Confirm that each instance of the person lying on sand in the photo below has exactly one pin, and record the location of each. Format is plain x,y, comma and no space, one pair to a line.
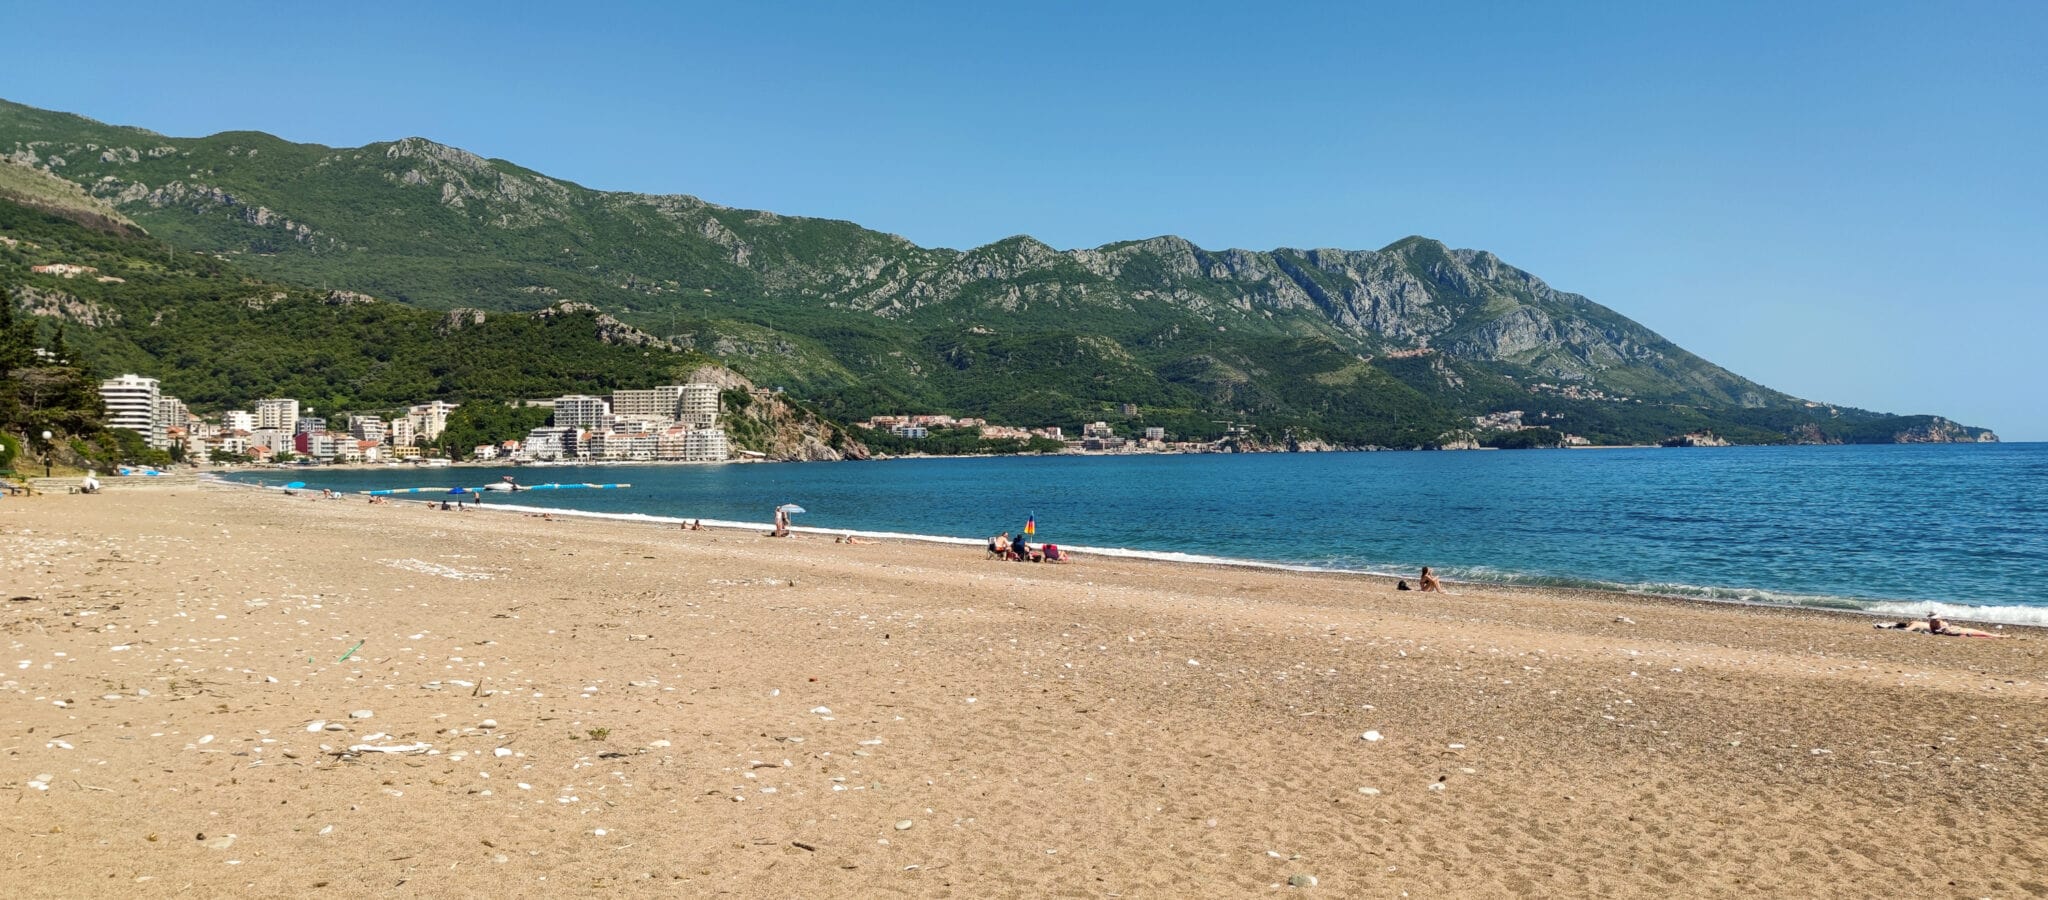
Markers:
853,539
1934,624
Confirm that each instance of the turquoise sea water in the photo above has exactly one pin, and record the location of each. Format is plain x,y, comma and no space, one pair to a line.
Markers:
1948,527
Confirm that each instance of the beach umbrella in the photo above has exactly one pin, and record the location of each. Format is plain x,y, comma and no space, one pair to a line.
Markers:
790,508
296,485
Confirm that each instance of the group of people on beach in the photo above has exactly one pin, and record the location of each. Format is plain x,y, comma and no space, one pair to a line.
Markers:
1019,549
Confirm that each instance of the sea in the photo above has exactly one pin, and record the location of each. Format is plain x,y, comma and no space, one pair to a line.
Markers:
1892,529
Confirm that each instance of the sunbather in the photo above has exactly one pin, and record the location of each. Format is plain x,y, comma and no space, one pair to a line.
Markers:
1934,624
1429,582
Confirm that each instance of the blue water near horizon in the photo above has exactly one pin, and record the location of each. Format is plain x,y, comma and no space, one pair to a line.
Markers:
1892,528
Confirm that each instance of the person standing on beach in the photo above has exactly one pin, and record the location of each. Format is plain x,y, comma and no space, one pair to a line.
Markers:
781,523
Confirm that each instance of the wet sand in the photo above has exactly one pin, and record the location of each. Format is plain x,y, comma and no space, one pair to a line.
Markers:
624,710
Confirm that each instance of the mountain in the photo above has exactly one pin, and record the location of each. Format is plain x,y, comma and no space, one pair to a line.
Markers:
1400,346
221,337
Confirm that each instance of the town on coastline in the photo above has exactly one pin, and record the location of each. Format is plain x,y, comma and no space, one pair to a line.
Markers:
668,423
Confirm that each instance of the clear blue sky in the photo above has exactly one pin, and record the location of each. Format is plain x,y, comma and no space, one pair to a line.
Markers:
1845,201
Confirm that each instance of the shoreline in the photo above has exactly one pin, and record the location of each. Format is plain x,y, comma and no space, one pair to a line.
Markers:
1998,615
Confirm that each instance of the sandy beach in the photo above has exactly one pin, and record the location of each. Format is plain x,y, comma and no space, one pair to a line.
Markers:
614,709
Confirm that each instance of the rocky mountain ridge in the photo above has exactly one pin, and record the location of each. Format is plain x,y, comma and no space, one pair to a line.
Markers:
1320,341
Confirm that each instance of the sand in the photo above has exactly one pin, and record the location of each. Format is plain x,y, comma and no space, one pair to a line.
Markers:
623,710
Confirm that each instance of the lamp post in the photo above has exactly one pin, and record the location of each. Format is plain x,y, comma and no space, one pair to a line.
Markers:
46,454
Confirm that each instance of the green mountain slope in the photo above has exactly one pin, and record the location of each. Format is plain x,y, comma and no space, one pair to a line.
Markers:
1395,347
220,337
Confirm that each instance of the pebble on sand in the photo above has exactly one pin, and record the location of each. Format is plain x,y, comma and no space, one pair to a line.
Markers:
904,825
1369,736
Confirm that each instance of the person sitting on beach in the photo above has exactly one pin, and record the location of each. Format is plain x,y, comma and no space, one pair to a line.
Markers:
1020,550
781,528
999,546
1429,582
695,525
1053,554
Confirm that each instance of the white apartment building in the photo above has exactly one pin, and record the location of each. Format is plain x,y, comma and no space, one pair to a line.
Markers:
131,404
429,419
550,443
171,412
699,406
237,420
367,428
661,404
276,440
403,433
705,445
640,446
309,425
582,412
323,445
279,413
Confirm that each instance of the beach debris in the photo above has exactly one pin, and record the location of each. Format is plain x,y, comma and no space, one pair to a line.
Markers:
1436,785
1301,880
361,714
904,825
502,752
822,710
1369,736
1369,791
41,782
417,747
1624,620
352,650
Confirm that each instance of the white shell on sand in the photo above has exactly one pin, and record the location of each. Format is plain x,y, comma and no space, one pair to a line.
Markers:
1369,736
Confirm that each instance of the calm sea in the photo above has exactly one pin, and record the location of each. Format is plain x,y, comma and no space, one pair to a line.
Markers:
1946,527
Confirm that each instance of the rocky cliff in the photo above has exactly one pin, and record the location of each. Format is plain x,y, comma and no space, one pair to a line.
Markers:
775,425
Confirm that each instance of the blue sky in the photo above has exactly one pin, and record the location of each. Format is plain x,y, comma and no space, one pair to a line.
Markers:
1845,201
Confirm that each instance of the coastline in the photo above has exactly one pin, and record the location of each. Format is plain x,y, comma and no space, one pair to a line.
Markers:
689,712
1991,614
